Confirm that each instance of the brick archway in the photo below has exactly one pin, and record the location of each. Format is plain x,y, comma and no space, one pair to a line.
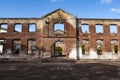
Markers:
58,49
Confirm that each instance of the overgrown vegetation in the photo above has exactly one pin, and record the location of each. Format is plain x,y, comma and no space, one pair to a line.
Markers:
116,49
99,50
58,50
83,49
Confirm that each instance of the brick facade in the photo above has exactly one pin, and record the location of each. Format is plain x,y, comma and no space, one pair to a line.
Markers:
45,39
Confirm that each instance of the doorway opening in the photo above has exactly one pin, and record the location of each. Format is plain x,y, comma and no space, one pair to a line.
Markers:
58,49
16,46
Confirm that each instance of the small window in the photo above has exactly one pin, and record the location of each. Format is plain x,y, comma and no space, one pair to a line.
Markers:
32,27
3,28
18,28
59,27
99,29
85,28
113,28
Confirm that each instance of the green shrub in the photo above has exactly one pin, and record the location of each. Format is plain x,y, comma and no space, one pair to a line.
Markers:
99,50
83,49
116,49
59,51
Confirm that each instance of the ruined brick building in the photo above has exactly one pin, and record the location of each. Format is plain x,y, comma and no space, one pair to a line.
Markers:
61,34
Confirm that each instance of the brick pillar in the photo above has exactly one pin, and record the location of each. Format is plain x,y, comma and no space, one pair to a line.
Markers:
92,28
108,45
10,27
38,29
45,29
118,46
9,45
23,40
118,29
38,44
103,47
67,29
92,38
106,28
118,39
107,40
24,47
25,27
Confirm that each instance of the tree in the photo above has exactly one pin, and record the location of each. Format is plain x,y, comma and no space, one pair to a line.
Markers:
58,50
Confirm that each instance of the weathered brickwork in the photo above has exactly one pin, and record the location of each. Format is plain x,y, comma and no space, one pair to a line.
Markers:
73,42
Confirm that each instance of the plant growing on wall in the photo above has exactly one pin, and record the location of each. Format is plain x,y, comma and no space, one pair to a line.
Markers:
83,49
116,49
99,50
58,50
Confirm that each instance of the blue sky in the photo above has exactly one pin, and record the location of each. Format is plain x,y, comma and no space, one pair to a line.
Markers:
79,8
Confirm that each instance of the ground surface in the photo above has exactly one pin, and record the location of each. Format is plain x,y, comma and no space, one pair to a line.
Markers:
82,70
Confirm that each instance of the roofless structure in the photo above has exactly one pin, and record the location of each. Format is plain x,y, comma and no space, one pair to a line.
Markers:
60,33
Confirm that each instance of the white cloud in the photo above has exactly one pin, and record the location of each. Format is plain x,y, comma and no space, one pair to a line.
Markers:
106,1
56,0
116,10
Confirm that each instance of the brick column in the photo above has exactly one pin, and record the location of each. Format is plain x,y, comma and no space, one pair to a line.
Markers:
107,40
103,47
92,28
118,29
92,37
24,47
25,27
38,29
10,27
106,28
9,45
118,46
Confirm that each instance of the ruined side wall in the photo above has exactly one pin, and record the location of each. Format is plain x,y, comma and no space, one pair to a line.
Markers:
24,36
106,36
